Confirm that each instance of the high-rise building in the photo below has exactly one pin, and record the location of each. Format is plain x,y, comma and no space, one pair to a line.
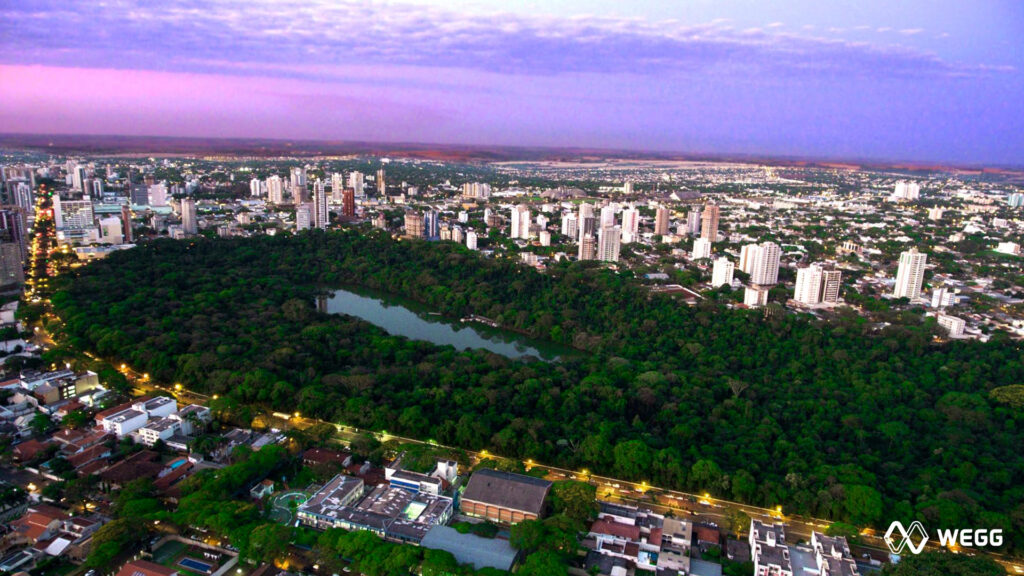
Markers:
126,224
158,194
275,190
303,217
953,325
348,203
906,191
471,240
382,187
910,275
630,225
747,257
1015,200
520,222
709,222
78,178
379,221
298,176
569,225
755,296
627,187
431,224
73,214
587,223
355,182
831,281
255,188
765,268
608,243
12,271
701,249
587,248
337,187
414,224
721,274
321,209
808,285
608,215
189,220
693,222
476,190
457,235
661,221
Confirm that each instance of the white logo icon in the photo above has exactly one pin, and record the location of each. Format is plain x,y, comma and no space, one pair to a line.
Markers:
897,537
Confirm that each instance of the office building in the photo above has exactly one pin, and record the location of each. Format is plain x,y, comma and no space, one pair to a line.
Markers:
298,177
608,243
709,222
158,195
701,249
275,190
520,222
661,222
414,225
78,178
910,275
348,203
189,220
321,212
72,214
432,224
721,274
303,217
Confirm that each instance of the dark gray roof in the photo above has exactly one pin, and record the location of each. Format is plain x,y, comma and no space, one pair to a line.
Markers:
507,490
471,549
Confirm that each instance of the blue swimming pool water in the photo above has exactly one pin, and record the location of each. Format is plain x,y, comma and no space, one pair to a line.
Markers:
196,565
176,463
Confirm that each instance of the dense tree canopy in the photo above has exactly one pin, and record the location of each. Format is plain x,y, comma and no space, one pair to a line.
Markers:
844,420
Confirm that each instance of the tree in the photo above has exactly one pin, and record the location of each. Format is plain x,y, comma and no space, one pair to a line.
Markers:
438,563
544,563
863,505
40,423
528,535
268,542
739,522
577,500
944,564
75,419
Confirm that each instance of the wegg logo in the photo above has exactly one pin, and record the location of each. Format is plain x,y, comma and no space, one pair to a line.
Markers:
906,539
898,538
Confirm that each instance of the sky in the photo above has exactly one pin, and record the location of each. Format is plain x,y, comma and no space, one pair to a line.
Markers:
909,80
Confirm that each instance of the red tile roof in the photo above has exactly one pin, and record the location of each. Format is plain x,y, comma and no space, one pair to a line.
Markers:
617,529
145,568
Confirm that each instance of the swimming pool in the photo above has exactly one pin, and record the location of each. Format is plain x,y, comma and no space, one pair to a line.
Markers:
197,565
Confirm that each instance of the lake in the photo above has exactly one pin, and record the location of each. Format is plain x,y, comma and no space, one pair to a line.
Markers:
402,317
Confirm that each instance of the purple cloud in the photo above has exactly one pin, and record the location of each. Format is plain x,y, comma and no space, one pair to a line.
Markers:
289,36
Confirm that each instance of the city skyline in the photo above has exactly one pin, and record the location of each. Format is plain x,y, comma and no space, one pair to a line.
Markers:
918,82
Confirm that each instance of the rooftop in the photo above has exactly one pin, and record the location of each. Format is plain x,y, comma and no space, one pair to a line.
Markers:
507,490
